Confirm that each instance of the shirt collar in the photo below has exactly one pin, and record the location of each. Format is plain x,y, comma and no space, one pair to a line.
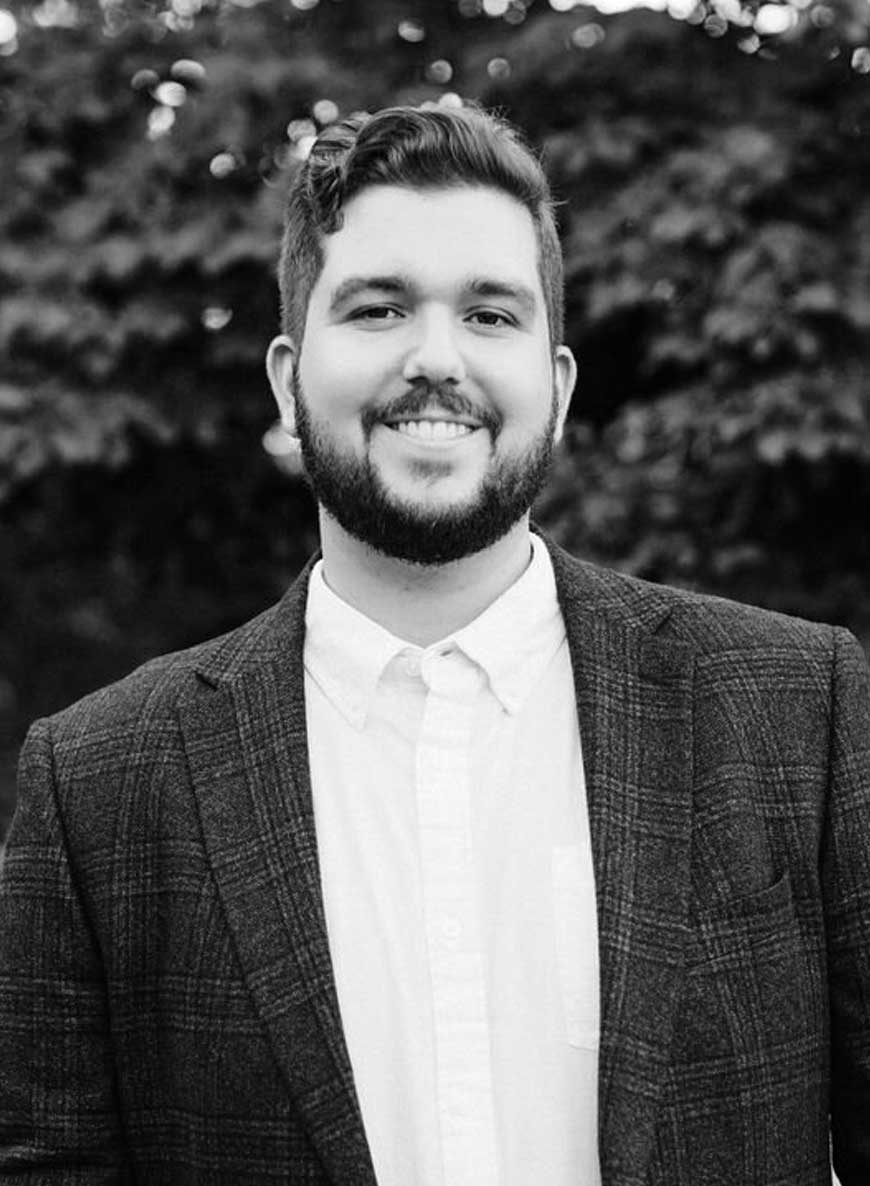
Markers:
345,651
512,641
515,638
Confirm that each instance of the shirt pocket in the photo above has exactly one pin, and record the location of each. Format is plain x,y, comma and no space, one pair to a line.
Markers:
576,935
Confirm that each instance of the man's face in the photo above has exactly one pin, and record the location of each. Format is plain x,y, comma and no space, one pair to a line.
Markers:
425,395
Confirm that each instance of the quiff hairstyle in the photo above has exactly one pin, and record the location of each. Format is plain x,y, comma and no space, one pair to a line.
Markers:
417,148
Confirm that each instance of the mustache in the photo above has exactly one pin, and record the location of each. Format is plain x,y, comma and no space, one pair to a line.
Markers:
422,397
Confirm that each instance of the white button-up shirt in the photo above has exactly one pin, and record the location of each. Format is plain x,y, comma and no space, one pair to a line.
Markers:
458,888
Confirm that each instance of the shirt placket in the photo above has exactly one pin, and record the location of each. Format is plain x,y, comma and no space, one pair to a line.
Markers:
464,1088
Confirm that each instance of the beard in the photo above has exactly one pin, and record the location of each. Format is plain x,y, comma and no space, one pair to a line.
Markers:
350,488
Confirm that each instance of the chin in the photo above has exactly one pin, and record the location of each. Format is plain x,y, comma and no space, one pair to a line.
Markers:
436,509
431,492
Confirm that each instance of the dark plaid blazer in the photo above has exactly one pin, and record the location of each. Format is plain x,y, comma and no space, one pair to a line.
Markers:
167,1007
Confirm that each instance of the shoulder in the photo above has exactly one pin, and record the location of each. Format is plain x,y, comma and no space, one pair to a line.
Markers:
706,623
123,748
143,701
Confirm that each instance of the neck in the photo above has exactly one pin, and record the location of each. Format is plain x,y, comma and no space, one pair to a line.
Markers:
416,602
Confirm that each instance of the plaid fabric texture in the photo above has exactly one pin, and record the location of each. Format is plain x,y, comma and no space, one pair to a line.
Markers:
167,1008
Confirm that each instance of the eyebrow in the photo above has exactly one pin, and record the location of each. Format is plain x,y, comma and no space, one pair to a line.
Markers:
399,285
354,285
502,290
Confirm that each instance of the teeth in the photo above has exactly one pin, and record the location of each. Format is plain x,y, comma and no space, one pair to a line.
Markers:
433,430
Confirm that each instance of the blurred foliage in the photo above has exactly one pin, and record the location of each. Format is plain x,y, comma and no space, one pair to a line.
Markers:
716,224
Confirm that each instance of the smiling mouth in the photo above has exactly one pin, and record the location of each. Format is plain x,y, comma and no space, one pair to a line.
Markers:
432,430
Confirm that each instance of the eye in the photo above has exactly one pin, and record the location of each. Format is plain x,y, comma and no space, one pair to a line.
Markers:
377,313
491,318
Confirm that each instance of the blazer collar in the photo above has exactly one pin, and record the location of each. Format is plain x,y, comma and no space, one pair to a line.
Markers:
247,747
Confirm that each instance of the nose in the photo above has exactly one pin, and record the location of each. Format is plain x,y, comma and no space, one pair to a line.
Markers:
435,354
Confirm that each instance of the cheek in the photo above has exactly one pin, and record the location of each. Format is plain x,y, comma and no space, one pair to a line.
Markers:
338,379
520,379
526,405
329,389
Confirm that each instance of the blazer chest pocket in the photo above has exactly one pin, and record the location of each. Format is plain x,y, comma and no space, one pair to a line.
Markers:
751,916
749,979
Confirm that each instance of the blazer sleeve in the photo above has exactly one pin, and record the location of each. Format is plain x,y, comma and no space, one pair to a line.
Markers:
59,1120
846,886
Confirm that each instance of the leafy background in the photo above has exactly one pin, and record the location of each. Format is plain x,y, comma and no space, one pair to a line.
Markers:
711,160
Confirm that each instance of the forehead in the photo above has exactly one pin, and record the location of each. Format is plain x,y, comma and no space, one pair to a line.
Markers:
438,236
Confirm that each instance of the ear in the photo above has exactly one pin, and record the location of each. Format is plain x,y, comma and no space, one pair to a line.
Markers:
280,360
564,378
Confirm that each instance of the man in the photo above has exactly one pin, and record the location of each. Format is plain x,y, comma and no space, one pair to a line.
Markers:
468,862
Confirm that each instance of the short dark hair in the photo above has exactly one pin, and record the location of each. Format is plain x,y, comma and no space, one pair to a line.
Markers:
418,148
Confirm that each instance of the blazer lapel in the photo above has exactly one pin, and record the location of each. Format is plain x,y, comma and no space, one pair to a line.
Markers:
246,742
634,706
